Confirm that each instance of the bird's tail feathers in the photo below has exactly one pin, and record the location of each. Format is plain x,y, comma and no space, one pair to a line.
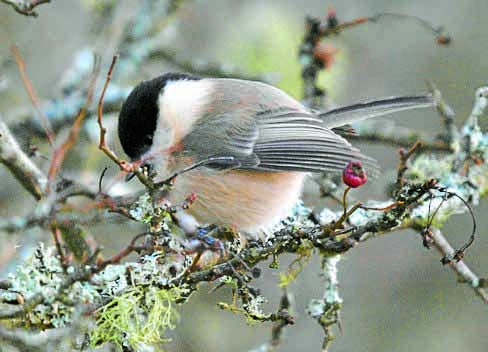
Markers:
364,110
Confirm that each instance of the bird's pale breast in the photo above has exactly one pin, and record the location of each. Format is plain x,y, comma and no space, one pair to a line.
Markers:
250,201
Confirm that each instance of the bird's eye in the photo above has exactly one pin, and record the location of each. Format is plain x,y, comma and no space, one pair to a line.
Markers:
147,140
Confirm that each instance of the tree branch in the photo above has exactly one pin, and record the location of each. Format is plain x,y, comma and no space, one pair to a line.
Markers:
466,275
19,164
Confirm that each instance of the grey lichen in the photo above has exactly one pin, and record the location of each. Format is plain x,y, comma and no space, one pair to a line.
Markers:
133,309
44,275
326,310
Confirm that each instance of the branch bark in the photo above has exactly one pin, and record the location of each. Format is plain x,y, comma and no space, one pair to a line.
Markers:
19,164
464,272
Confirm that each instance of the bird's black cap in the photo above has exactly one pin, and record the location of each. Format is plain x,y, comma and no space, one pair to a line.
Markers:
139,114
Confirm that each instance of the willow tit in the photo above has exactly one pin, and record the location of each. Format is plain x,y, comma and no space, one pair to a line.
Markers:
256,144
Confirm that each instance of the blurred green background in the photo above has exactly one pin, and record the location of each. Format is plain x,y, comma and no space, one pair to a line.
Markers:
397,295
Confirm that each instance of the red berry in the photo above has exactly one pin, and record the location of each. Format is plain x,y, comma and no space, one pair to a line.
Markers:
354,174
443,39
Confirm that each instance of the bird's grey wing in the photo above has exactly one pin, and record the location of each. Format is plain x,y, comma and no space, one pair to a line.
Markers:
297,141
270,132
222,137
274,140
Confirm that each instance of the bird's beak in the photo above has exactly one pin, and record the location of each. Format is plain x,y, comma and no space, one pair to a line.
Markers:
130,176
146,168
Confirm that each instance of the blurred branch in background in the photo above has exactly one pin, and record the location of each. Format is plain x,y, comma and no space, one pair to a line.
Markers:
71,279
314,56
207,69
137,34
46,125
387,132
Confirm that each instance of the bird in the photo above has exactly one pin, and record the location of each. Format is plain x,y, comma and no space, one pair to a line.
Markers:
254,145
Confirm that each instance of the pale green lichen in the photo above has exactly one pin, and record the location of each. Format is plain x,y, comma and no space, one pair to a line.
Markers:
133,297
251,310
304,254
141,316
254,308
142,210
470,186
155,216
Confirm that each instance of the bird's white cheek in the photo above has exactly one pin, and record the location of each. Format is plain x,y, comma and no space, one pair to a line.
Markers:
182,104
158,153
163,139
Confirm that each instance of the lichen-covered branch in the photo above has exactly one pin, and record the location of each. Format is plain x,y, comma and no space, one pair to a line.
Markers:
326,310
165,269
447,114
62,113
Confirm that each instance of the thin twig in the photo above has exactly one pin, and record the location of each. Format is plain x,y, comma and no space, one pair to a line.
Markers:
102,145
447,114
345,213
388,207
100,179
277,329
59,153
115,259
226,160
468,276
57,242
402,167
438,31
459,253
